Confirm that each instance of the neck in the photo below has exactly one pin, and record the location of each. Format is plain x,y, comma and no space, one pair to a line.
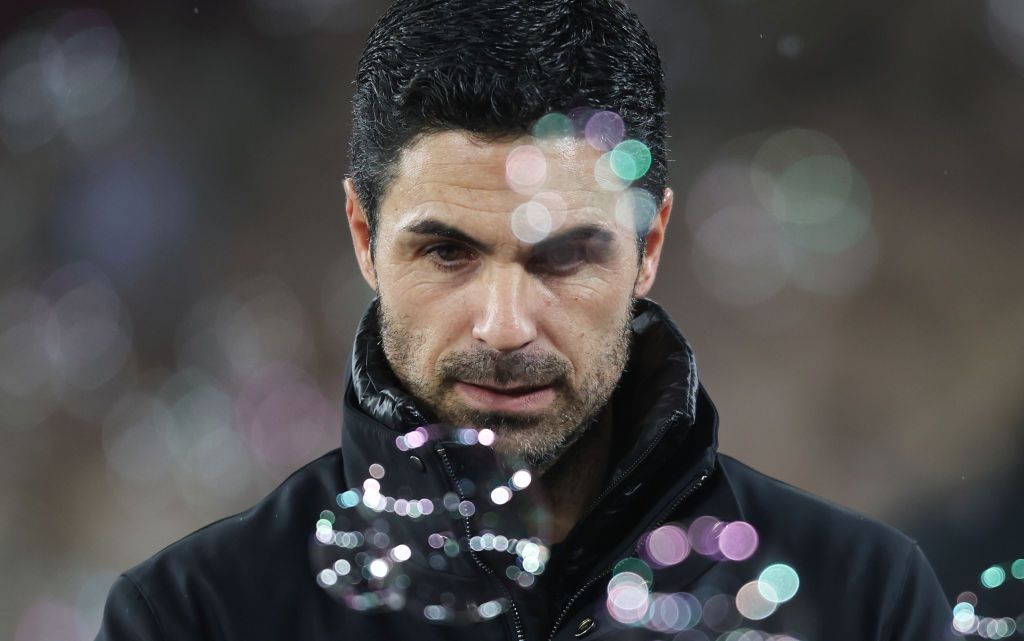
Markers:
574,479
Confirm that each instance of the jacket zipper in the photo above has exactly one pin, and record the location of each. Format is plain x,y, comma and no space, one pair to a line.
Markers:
687,493
517,621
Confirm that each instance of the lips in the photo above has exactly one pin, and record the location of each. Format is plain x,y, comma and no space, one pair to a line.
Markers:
521,399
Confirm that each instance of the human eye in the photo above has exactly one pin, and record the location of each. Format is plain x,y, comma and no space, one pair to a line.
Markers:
561,260
449,256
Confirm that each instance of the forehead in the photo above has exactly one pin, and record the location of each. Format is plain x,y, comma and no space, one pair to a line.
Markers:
456,174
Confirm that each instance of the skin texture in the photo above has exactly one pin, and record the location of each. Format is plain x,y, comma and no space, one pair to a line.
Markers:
484,329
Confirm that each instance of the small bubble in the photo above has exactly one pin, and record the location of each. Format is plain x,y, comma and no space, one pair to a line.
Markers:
553,125
630,160
605,130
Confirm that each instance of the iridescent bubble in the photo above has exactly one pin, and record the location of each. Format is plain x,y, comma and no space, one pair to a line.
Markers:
634,566
606,177
605,130
635,210
630,160
531,222
703,534
553,125
628,597
526,169
753,604
780,582
738,541
667,546
555,205
720,613
673,612
327,578
501,495
379,568
489,609
1017,569
993,577
521,479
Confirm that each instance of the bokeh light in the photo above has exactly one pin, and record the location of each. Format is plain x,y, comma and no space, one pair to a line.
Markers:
605,130
780,582
738,541
526,169
531,222
630,160
755,601
666,546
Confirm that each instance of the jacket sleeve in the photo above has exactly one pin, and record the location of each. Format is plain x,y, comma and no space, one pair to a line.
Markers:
128,616
919,611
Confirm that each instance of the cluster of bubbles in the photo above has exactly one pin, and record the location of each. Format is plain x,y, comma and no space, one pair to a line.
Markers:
967,621
69,79
529,168
377,564
631,601
786,209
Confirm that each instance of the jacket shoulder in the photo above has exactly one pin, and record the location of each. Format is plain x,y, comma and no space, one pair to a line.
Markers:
260,555
797,517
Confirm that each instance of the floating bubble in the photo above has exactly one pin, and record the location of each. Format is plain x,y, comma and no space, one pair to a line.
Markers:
753,603
531,222
673,612
526,169
379,568
466,508
606,177
521,479
635,210
667,545
489,609
993,577
555,205
740,256
628,597
553,125
780,582
342,567
738,541
630,160
501,495
720,613
703,534
1017,569
605,130
327,578
634,566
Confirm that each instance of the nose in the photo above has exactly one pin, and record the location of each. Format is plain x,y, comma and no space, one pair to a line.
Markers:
505,320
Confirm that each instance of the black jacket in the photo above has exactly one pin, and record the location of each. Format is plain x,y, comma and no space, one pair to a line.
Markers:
301,563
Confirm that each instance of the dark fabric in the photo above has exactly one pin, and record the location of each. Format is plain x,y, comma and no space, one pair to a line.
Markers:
253,576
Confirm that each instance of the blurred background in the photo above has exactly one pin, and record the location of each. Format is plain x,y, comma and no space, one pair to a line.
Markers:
178,292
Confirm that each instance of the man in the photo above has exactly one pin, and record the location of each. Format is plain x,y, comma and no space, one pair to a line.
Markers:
526,451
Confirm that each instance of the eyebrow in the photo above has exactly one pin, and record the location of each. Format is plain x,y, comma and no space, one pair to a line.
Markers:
580,233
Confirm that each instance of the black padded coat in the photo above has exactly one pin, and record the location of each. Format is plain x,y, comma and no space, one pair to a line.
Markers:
682,543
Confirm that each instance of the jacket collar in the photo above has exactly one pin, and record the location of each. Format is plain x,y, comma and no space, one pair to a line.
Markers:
663,421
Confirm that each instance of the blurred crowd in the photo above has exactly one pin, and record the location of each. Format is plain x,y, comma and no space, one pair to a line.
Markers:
178,293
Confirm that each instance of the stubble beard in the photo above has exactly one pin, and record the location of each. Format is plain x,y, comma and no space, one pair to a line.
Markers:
533,440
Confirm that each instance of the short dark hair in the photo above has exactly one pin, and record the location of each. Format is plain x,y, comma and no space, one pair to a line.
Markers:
493,68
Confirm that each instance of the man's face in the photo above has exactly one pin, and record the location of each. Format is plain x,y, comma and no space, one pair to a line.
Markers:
506,284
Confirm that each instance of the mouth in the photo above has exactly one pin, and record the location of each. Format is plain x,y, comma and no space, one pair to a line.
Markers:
519,399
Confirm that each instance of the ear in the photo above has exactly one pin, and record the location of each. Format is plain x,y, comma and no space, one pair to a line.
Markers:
652,249
359,227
